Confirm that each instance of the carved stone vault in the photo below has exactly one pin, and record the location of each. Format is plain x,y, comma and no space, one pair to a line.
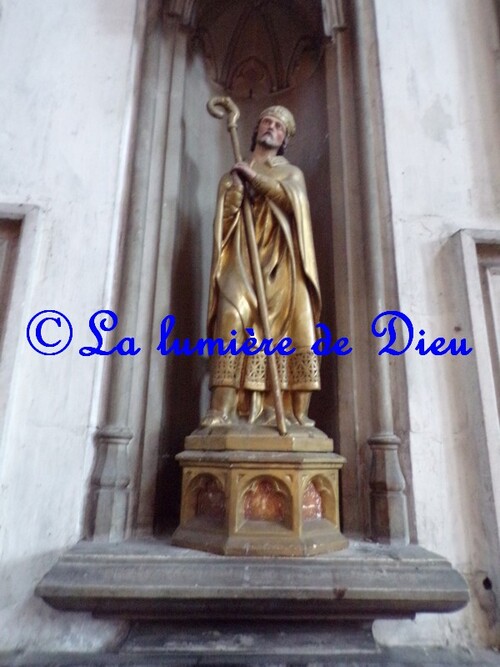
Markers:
255,49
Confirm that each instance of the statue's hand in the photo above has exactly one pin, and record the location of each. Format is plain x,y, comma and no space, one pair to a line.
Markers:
243,171
237,182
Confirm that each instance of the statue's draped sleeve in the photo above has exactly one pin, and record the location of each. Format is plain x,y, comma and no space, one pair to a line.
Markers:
294,185
284,188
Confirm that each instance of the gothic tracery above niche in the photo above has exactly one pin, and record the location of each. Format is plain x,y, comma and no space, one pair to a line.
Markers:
258,47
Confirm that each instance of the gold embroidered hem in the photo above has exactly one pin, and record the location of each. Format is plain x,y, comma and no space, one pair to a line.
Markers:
225,371
296,372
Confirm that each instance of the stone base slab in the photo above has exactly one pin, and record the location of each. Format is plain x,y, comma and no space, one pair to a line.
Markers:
259,438
274,641
151,579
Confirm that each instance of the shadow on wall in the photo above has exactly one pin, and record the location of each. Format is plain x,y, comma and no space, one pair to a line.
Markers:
181,413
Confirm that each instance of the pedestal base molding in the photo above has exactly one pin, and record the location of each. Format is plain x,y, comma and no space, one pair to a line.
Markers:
151,579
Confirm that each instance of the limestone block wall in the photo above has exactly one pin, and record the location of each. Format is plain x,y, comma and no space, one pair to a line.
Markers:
440,80
66,84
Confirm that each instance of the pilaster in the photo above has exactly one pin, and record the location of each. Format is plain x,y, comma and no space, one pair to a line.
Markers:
147,222
388,503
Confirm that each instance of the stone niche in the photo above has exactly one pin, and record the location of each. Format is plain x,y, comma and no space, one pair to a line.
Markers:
320,60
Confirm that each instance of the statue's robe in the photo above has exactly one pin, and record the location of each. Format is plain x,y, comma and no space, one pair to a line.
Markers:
283,231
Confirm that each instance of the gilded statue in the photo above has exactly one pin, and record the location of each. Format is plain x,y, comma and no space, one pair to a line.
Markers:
258,479
274,192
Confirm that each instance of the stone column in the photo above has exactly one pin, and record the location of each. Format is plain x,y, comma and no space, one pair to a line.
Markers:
348,263
388,506
147,223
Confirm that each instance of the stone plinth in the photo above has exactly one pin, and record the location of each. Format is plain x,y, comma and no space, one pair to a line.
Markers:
149,578
259,438
262,502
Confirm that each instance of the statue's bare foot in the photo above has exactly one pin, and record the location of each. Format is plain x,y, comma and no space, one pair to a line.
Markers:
291,418
301,400
304,420
267,417
216,418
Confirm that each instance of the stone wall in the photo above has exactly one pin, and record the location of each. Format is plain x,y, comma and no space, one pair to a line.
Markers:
439,71
66,80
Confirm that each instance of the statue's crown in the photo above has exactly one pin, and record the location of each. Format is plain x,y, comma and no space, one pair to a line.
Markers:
283,115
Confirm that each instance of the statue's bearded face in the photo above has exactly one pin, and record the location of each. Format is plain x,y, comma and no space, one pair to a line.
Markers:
271,132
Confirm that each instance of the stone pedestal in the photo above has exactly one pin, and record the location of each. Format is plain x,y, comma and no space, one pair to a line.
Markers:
150,579
248,491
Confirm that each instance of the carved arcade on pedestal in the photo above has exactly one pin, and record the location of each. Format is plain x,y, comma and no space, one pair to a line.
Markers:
262,502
